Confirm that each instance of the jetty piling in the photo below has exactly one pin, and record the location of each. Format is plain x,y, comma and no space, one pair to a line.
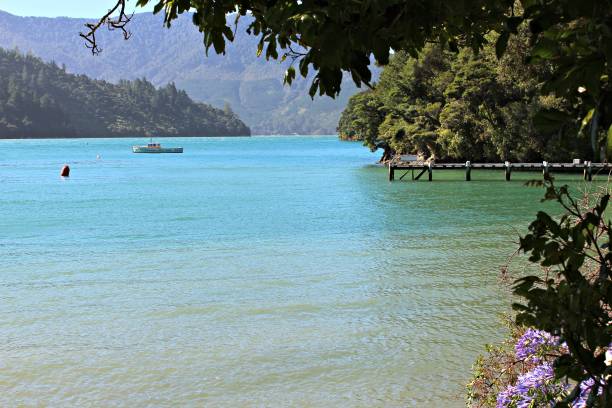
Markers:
588,171
508,170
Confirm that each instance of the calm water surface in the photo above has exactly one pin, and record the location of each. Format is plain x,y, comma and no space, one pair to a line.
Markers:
260,271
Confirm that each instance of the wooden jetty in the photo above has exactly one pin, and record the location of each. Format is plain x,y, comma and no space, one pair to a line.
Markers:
586,168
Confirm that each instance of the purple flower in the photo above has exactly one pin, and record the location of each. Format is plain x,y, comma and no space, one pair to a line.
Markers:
533,343
585,390
537,386
535,378
505,398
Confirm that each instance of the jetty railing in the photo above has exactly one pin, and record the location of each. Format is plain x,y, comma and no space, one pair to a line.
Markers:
586,168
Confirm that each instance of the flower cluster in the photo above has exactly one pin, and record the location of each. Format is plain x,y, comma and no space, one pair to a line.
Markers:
520,374
536,387
534,344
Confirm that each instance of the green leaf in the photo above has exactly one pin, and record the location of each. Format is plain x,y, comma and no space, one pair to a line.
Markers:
544,49
588,117
502,44
157,7
586,120
313,87
218,42
289,76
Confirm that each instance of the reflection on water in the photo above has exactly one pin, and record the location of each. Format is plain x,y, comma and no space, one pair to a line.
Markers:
245,272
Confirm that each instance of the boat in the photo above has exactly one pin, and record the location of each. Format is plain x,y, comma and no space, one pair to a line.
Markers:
156,148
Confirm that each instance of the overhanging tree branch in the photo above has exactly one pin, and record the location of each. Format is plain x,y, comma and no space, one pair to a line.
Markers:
112,23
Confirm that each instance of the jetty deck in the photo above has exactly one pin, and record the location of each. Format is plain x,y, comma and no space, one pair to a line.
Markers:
586,168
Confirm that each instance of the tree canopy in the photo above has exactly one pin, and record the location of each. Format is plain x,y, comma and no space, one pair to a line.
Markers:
333,36
465,106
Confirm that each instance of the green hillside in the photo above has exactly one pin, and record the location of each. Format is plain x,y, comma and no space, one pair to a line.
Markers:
40,99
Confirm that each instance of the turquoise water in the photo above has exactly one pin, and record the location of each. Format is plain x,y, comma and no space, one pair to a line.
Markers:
261,271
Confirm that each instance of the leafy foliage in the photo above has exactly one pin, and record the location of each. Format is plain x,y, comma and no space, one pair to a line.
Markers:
573,302
42,100
361,119
465,106
576,38
495,370
331,37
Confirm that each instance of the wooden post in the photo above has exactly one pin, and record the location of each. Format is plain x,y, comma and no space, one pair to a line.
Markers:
588,171
508,170
430,170
468,171
391,172
545,169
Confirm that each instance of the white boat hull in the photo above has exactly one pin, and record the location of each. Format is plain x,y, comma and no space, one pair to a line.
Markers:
146,149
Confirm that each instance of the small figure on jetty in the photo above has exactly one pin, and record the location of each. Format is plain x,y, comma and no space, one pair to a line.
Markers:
65,172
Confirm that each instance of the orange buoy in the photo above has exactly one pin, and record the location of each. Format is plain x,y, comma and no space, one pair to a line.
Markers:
65,171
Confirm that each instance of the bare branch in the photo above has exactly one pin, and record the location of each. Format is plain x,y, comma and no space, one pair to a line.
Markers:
112,23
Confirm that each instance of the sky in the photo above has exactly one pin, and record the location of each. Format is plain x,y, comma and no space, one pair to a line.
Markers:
65,8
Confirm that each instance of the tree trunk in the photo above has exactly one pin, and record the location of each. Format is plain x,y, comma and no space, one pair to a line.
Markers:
388,153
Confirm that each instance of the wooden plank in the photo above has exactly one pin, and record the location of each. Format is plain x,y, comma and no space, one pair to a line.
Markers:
404,175
421,173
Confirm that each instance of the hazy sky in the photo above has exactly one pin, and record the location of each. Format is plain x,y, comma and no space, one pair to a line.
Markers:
67,8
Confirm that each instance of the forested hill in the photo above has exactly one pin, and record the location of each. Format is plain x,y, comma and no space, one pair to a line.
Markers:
40,99
251,85
462,106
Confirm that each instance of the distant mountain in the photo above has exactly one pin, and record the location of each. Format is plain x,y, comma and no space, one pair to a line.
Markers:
252,86
40,99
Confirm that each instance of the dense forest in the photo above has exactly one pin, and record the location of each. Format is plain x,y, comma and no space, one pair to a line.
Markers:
40,99
466,106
